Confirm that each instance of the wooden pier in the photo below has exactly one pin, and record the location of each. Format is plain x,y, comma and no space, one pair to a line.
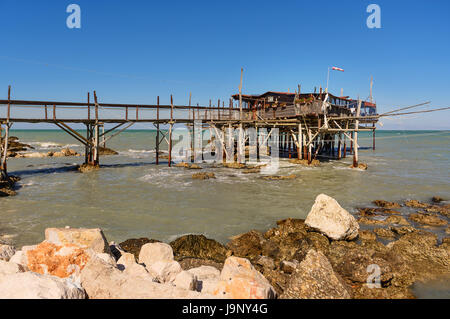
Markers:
310,125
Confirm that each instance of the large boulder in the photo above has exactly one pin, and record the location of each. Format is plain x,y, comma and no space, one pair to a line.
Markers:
329,218
314,278
240,280
103,281
81,237
198,246
30,285
6,252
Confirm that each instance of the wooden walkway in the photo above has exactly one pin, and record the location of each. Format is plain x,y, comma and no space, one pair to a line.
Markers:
307,132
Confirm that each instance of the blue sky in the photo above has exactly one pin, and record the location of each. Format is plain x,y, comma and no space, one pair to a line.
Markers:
132,51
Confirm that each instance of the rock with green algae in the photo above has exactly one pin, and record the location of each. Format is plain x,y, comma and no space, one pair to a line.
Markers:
198,246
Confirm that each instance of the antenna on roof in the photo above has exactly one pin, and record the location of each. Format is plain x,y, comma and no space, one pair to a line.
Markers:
371,86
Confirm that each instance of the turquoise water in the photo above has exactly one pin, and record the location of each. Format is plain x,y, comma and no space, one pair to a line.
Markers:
132,197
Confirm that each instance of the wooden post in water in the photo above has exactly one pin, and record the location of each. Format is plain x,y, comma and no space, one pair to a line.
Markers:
351,143
96,133
241,133
103,136
300,140
89,106
355,144
310,146
170,130
339,146
157,132
373,139
3,165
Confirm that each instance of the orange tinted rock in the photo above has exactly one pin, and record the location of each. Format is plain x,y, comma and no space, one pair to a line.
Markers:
240,280
60,261
81,237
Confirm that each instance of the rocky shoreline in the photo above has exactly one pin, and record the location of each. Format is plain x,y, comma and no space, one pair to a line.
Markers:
330,254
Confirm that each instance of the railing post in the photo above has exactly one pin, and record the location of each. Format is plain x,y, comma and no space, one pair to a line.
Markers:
157,132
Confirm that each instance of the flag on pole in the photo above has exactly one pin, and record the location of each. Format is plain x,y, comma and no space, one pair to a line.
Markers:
337,69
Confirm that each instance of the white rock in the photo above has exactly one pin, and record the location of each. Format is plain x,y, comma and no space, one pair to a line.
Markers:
329,218
165,271
154,252
240,280
8,268
205,272
185,280
101,280
6,252
30,285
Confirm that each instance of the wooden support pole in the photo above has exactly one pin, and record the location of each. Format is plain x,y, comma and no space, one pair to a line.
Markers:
46,117
157,132
126,113
355,144
88,147
351,143
305,152
96,133
300,140
289,144
170,130
103,136
137,113
345,140
310,146
373,139
54,112
89,106
339,146
3,165
97,141
193,137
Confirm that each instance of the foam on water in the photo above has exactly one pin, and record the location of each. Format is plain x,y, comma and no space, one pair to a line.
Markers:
131,197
